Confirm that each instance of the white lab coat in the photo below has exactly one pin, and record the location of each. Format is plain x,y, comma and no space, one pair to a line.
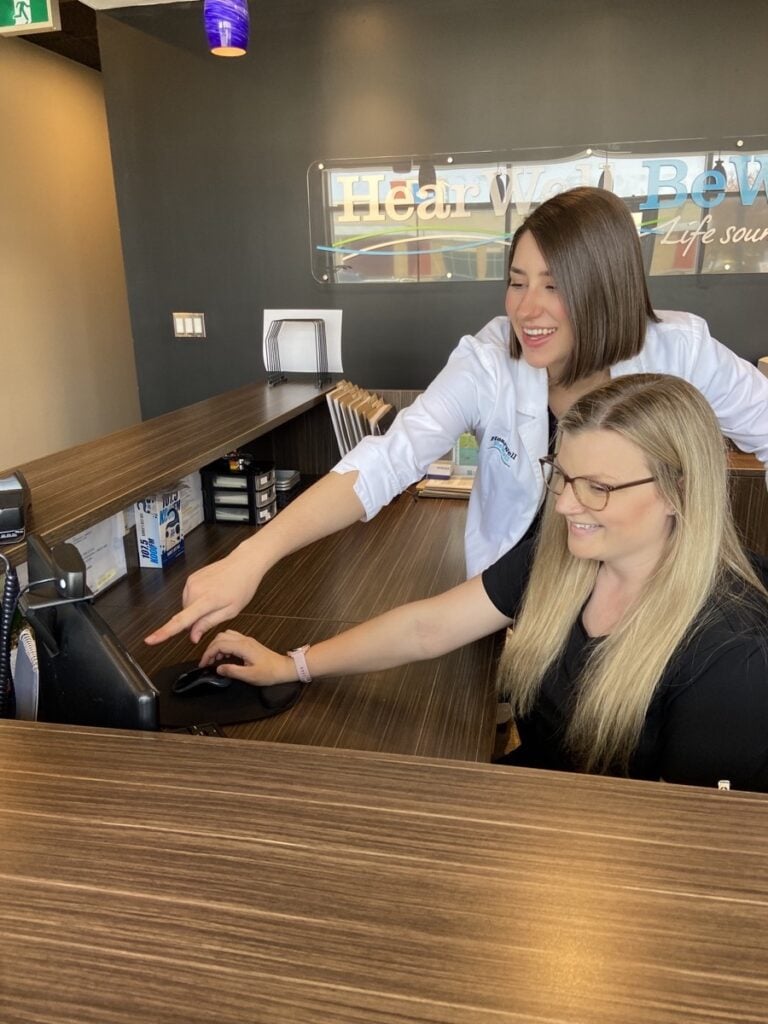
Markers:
503,402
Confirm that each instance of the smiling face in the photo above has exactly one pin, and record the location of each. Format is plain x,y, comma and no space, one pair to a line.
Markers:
630,533
536,310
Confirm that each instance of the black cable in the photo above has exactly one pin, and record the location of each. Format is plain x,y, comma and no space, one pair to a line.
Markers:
29,586
7,610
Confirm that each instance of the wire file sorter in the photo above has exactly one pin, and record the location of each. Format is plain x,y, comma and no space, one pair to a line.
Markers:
275,374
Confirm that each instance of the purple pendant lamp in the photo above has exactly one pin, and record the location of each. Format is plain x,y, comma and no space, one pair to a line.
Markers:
226,25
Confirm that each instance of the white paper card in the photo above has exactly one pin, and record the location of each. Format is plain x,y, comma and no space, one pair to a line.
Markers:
102,549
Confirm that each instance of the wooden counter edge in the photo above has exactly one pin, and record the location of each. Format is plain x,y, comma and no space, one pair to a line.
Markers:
291,400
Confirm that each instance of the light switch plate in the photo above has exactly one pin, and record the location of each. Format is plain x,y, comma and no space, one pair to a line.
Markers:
188,325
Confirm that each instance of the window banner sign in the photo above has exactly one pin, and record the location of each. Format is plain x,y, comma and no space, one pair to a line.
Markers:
699,208
26,16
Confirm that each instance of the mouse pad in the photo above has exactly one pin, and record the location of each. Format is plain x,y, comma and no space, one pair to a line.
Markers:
238,702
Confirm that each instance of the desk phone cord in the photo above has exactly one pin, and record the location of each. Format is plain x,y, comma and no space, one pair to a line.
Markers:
7,609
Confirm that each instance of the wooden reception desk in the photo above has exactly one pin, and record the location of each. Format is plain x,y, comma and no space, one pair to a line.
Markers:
185,880
443,708
411,550
80,486
180,879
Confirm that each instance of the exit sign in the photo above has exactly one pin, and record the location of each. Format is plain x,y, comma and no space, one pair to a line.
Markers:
25,16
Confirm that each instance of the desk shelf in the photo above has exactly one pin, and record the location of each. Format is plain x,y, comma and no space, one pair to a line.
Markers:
80,486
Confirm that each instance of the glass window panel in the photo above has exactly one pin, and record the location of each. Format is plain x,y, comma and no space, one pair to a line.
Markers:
412,219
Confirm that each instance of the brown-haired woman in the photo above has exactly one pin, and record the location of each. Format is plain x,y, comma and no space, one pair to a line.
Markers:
578,314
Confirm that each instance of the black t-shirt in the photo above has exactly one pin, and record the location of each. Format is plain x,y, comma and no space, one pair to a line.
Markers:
708,719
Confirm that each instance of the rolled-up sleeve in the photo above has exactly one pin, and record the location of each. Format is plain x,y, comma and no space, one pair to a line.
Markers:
423,432
736,390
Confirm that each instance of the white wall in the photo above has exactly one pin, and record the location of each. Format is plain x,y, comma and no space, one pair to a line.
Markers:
67,371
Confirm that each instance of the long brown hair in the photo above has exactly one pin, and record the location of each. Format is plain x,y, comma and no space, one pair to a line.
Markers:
674,426
591,247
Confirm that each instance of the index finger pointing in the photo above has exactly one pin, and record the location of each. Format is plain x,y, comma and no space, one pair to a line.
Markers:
176,624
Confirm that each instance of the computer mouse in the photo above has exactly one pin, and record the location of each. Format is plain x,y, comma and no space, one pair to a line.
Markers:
199,681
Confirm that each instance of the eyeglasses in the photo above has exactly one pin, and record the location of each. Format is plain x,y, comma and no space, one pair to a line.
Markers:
589,493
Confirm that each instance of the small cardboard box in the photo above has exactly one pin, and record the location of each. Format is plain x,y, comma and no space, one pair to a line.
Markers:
159,534
465,455
762,365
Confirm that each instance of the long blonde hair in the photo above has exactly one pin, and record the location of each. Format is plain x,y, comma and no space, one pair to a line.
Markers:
677,431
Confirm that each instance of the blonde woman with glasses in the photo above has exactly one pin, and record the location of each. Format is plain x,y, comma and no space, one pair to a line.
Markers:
638,639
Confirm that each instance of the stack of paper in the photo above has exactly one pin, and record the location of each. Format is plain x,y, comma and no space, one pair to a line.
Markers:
453,487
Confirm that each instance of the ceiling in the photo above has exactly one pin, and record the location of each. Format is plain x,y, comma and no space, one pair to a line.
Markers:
78,39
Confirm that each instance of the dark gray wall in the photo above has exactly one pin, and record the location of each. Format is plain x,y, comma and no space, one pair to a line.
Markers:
210,155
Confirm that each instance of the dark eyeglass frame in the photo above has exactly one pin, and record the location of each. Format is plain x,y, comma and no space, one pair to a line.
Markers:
548,465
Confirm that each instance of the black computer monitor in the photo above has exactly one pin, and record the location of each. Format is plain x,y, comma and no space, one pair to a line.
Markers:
87,677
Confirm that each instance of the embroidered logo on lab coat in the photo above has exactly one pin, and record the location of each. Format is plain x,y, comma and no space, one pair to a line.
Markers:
498,444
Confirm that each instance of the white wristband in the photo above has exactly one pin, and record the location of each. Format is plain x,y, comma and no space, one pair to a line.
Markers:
300,661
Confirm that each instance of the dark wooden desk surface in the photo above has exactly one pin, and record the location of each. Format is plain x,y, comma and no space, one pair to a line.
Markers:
411,550
749,500
80,486
184,880
744,464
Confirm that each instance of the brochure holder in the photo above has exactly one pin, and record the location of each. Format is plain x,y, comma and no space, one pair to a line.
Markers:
355,414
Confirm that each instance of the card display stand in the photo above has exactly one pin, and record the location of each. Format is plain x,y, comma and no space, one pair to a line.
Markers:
356,413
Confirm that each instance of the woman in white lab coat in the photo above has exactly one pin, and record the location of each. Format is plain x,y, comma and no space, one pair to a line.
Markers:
577,314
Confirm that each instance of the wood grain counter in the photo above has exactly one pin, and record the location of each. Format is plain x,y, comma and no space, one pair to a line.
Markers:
749,500
411,550
187,880
80,486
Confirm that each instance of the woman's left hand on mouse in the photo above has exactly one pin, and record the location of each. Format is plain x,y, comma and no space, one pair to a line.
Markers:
261,666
